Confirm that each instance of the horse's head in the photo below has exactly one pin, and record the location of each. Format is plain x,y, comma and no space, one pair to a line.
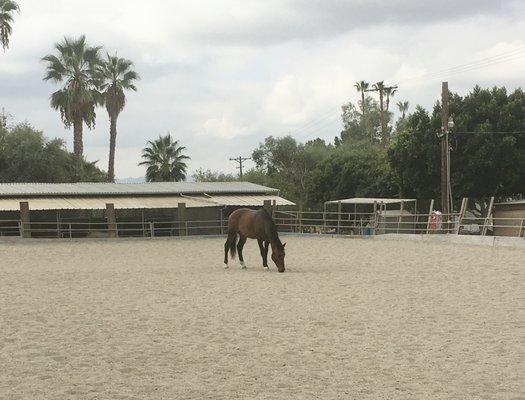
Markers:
278,254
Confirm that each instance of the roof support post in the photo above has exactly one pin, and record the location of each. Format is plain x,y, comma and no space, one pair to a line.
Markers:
25,220
183,223
267,205
111,218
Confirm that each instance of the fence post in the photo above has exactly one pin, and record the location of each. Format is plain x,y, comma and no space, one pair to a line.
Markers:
300,217
462,212
488,216
429,219
339,211
522,226
111,218
222,222
400,218
181,212
152,229
25,220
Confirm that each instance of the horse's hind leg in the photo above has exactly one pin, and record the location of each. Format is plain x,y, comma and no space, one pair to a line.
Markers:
240,246
226,248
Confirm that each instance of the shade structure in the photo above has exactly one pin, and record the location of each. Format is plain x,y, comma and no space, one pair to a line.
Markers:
249,200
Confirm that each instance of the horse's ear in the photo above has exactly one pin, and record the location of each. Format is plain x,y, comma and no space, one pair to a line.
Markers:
284,245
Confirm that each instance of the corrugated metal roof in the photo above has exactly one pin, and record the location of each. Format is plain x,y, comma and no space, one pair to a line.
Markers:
249,200
360,200
119,189
99,203
137,202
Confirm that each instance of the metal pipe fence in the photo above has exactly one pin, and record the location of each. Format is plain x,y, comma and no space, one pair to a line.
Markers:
352,224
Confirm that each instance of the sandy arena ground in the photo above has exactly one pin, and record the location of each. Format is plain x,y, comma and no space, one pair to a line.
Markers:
350,319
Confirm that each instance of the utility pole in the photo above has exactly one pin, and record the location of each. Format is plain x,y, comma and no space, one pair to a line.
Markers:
445,151
381,89
241,161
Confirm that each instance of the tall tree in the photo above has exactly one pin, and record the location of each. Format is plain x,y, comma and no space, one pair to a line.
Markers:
403,108
164,160
362,87
380,87
7,9
488,147
390,92
75,66
116,76
202,175
26,155
287,163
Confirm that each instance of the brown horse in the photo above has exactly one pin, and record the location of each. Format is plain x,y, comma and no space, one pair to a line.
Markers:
254,225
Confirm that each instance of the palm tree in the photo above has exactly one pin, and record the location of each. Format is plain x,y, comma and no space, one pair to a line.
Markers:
380,87
403,108
116,75
75,66
164,160
390,92
362,87
7,8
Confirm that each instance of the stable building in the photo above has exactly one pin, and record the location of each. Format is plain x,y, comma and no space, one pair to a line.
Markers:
143,209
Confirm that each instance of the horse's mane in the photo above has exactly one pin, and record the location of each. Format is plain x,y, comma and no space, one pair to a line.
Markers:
271,227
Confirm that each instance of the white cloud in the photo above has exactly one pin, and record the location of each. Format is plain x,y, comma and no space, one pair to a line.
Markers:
221,75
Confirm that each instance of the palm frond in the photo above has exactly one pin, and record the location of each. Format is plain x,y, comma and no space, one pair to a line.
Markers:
164,160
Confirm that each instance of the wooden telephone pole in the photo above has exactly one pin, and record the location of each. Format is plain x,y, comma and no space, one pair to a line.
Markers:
241,161
445,152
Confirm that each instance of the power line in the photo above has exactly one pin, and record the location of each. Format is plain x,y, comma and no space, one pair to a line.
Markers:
491,132
326,118
471,66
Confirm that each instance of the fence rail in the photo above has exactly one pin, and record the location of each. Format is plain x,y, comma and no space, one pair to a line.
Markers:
356,224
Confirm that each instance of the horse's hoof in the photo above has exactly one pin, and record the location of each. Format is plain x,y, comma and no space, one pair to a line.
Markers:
226,266
243,265
266,268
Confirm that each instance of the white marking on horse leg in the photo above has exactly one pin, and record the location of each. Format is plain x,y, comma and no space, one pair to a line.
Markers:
267,268
243,265
226,266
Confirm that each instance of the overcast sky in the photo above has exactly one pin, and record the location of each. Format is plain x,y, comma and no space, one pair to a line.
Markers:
221,75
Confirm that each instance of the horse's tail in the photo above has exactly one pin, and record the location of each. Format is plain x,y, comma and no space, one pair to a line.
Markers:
233,245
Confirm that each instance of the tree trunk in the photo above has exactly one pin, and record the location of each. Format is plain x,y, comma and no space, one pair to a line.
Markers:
78,145
384,138
112,148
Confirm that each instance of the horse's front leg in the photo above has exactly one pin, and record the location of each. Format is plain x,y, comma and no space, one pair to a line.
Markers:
240,246
264,253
